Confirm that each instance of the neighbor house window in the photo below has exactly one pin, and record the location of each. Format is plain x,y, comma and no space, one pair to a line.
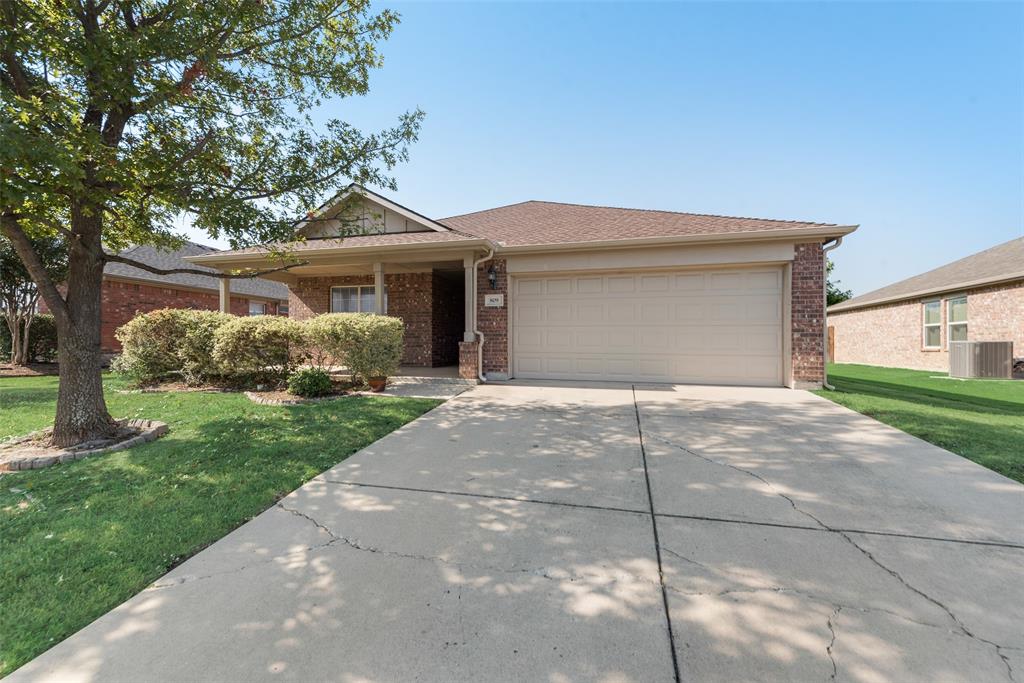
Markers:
956,312
932,324
282,309
257,308
355,299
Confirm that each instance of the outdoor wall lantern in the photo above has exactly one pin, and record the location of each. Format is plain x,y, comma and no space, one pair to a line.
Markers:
492,277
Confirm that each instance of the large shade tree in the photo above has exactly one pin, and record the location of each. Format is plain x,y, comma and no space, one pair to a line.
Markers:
121,116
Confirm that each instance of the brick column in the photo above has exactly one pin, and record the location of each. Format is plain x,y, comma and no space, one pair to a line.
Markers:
493,322
808,311
468,360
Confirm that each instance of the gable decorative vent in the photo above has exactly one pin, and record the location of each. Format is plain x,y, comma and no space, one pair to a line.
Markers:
981,359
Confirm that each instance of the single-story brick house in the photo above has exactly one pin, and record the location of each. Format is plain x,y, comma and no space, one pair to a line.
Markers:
128,291
910,324
543,290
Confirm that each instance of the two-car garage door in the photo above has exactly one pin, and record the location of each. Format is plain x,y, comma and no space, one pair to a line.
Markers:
714,326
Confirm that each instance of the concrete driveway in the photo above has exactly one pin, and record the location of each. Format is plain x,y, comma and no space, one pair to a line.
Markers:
509,535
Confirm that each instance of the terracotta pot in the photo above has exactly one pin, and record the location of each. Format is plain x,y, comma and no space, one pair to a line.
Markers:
377,383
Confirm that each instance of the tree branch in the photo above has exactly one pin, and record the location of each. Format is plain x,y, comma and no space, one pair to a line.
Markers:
117,258
47,287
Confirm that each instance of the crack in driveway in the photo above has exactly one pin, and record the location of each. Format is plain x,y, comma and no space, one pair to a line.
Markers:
957,622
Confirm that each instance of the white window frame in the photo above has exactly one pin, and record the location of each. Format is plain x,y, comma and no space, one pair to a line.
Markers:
262,304
359,298
925,325
950,324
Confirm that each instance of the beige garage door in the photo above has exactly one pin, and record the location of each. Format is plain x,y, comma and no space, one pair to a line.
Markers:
715,326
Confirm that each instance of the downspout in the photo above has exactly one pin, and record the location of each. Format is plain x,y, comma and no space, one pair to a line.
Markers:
478,333
824,312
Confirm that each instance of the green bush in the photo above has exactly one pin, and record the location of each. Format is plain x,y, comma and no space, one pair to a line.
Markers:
328,338
374,347
170,342
259,349
309,383
195,352
149,345
42,339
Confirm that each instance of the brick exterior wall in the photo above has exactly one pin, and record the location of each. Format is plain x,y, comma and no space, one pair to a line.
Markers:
429,341
122,300
808,310
493,322
891,335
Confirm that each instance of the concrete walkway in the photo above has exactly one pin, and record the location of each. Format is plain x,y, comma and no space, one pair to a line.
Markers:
600,533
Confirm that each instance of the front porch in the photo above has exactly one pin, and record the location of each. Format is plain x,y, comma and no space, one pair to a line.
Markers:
435,288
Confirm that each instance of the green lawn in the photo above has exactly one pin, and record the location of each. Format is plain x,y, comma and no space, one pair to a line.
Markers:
982,420
78,539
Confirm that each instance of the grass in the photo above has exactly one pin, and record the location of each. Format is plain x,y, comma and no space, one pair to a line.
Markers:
982,420
78,539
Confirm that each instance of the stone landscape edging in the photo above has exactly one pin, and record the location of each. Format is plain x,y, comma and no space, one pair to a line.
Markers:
151,430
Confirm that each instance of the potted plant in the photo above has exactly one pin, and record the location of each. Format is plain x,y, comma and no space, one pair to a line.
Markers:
377,384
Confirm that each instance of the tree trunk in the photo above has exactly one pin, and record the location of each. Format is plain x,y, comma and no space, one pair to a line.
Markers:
81,410
26,342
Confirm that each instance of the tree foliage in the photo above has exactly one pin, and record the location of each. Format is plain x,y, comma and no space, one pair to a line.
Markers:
834,293
149,109
117,117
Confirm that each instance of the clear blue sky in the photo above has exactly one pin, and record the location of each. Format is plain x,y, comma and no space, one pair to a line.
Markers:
905,118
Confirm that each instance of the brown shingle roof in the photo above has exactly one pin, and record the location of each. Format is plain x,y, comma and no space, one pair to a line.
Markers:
1000,263
169,260
536,222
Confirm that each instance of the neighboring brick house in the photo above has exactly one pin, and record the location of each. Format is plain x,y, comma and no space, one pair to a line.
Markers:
910,324
543,290
128,291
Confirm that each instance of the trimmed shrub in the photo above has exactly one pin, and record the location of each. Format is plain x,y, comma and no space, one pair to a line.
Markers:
42,339
264,348
195,353
149,345
309,383
374,347
169,342
328,338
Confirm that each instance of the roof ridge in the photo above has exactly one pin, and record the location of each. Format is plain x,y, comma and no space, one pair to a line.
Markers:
677,213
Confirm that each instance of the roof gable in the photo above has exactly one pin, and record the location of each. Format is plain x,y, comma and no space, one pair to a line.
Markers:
374,214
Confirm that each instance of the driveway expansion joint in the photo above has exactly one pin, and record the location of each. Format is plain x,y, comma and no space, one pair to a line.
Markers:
960,627
657,542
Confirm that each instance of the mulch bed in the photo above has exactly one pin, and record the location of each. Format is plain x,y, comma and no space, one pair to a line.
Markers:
33,451
30,370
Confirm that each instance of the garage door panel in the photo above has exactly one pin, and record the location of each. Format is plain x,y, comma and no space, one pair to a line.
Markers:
711,326
590,285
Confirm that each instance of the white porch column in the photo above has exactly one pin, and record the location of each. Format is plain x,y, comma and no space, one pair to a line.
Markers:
378,288
470,297
225,295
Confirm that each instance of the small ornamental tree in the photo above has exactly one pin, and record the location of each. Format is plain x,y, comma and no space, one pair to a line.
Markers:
119,116
19,295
